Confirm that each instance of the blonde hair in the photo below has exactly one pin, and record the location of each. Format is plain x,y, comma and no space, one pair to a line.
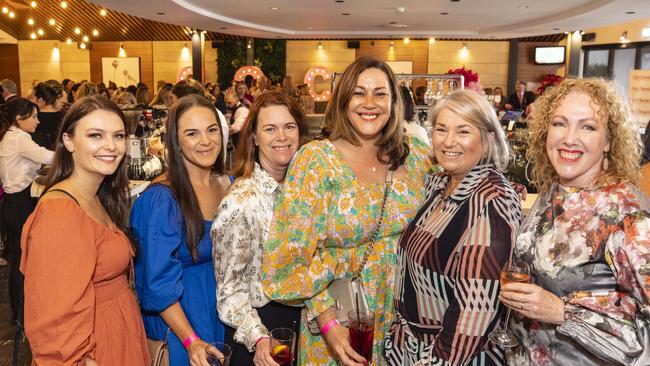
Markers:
477,111
337,124
625,144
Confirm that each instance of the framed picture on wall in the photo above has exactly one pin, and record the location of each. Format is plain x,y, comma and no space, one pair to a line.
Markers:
123,71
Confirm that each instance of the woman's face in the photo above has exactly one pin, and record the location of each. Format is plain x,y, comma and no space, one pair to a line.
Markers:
456,143
98,144
199,138
28,123
370,105
277,136
60,101
577,140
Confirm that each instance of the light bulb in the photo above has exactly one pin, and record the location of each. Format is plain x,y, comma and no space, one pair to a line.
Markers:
102,12
40,32
32,36
52,21
77,30
33,4
64,4
30,21
95,32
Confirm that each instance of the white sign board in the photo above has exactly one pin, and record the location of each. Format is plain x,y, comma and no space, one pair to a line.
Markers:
123,71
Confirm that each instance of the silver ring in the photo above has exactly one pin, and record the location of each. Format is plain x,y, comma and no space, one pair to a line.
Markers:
521,305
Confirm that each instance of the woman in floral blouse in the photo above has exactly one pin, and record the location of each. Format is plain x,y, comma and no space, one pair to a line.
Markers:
330,206
587,238
269,139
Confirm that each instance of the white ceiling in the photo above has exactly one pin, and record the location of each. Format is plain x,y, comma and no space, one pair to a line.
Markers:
386,18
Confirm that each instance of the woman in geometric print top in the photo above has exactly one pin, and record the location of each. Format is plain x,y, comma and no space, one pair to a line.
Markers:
587,237
451,254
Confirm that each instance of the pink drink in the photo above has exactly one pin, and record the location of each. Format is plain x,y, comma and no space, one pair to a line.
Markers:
362,332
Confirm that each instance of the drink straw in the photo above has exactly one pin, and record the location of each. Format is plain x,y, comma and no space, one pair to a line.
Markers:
358,314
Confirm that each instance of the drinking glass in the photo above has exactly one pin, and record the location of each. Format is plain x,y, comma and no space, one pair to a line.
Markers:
362,329
512,271
213,358
282,345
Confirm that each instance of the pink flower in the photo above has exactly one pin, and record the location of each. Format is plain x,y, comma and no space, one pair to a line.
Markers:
539,355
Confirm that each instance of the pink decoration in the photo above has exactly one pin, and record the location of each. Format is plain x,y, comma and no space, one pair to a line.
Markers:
547,81
471,81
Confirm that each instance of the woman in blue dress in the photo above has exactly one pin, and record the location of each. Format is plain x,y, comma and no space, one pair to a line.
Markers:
171,222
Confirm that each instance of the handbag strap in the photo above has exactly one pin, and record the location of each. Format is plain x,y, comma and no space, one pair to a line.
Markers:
375,234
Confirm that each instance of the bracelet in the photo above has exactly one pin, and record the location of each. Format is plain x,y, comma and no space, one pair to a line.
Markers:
261,338
191,338
329,325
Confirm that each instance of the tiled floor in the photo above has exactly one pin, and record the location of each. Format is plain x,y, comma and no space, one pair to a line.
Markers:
7,332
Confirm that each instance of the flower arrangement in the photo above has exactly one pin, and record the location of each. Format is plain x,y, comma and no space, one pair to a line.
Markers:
472,81
547,81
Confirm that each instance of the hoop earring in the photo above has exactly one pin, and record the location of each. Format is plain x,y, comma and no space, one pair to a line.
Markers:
605,160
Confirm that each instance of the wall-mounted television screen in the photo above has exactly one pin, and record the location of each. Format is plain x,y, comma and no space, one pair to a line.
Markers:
553,55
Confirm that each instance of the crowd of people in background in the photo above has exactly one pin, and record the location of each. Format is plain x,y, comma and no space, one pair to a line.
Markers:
248,226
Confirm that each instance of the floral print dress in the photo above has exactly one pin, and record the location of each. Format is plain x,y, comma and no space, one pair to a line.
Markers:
591,248
323,221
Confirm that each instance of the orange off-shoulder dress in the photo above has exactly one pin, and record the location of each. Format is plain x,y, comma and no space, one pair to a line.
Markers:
78,303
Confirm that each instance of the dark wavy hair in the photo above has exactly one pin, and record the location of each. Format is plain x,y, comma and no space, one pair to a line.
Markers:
12,110
392,142
247,153
48,91
113,192
177,177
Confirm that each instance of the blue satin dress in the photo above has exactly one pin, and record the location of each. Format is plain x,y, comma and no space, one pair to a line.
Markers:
165,272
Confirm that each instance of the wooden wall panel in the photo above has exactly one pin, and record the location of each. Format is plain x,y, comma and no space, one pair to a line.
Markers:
416,52
9,65
142,49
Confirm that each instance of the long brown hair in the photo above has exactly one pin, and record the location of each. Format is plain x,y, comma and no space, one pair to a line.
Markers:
392,142
247,153
177,176
113,192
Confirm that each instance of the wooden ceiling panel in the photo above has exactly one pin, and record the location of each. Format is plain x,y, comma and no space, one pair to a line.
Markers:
115,26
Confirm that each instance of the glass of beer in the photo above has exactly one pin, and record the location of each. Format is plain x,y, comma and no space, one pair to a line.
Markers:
282,345
362,329
512,271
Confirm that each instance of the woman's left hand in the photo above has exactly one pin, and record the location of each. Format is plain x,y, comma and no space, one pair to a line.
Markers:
198,355
533,302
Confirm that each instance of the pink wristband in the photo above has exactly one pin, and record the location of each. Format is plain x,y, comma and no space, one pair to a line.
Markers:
260,339
191,338
329,325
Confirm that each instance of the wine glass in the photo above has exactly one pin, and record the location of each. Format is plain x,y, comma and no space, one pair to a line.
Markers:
282,345
512,271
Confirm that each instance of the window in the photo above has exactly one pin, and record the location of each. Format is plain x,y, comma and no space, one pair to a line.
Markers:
624,59
597,63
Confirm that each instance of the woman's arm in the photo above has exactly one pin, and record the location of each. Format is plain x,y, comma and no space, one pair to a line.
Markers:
58,261
175,318
474,310
29,149
236,235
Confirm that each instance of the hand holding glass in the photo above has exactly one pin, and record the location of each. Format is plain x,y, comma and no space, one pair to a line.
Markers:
362,329
282,345
511,272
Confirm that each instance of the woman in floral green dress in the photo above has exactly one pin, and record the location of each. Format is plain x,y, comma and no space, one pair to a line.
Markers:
330,206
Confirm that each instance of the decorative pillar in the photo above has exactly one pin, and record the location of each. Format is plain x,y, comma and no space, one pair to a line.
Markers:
197,56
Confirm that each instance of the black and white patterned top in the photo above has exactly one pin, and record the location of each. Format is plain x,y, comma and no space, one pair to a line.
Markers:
238,233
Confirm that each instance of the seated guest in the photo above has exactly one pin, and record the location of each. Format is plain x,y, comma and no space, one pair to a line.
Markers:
587,237
241,227
171,221
79,308
20,159
243,95
499,99
457,243
49,100
521,98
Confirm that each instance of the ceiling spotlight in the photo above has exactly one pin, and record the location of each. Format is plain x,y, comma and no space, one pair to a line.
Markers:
102,12
12,14
95,32
432,40
407,40
82,46
320,45
249,45
68,41
5,10
30,21
40,32
275,8
33,4
623,36
400,9
64,4
523,6
77,30
121,52
85,38
52,21
32,36
392,46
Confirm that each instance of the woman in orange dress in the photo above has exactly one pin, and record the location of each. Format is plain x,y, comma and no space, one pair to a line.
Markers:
79,309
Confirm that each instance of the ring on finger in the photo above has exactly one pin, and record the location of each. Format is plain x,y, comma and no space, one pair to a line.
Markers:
521,305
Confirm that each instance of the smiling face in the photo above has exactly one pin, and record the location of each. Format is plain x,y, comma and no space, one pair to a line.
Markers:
370,105
199,138
577,140
277,137
98,144
456,143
